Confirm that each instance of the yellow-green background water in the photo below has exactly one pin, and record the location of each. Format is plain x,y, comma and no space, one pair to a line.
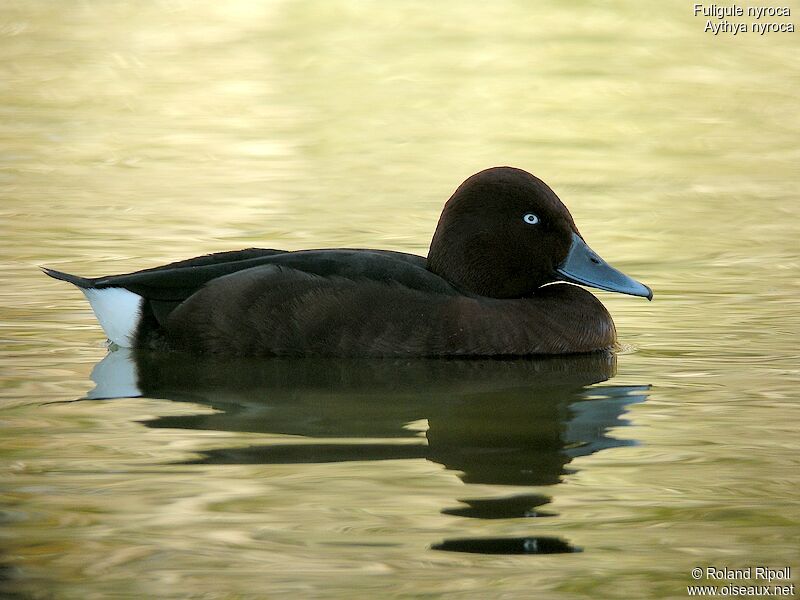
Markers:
138,133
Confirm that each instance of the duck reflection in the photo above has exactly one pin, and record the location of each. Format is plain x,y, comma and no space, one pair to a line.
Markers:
500,422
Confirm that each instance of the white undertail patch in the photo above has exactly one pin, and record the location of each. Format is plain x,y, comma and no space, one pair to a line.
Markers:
118,311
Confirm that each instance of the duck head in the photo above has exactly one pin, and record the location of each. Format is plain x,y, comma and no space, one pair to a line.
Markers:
504,233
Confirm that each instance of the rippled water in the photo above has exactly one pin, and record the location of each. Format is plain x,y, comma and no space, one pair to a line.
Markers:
139,133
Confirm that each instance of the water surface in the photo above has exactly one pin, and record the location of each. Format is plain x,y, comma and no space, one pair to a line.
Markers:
136,134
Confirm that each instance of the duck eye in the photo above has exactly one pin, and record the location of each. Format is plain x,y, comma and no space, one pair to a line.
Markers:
530,218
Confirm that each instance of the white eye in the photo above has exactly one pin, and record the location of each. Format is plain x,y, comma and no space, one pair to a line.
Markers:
530,219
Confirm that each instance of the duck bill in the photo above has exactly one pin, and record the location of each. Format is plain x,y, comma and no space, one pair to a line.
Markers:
585,267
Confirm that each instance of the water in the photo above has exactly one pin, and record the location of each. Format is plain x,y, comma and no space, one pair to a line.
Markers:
136,134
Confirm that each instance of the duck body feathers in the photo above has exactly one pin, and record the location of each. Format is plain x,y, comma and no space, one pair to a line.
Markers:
344,302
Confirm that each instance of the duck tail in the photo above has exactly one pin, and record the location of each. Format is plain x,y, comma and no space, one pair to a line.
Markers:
81,282
119,311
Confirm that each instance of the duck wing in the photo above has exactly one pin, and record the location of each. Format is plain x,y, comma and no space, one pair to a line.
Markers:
316,303
164,288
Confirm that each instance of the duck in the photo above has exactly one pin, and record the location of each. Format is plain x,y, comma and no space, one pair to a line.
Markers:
504,277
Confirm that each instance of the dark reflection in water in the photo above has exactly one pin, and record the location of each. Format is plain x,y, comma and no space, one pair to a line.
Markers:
506,422
511,507
523,545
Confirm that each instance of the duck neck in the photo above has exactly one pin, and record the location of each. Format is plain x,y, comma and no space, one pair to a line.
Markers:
471,271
